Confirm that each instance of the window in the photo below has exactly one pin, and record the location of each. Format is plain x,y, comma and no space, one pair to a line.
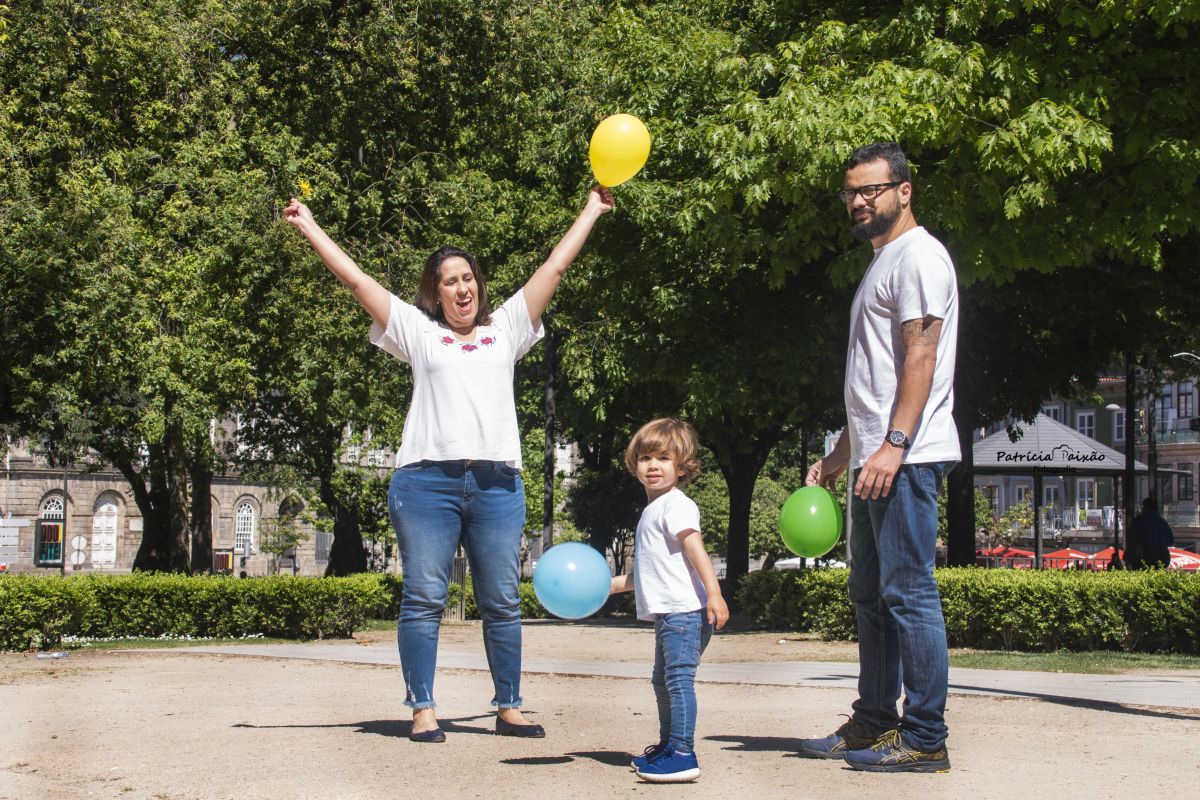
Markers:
1187,488
323,543
1053,412
1164,408
50,532
1184,404
1050,496
104,534
1118,426
1085,423
992,493
1023,492
245,528
1085,492
1165,495
223,562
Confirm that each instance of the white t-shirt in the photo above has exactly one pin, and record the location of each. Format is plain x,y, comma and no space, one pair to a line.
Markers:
462,402
663,579
910,278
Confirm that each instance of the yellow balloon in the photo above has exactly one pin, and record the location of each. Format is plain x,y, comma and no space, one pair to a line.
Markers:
619,149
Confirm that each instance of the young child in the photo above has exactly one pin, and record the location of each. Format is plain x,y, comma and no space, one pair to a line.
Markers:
676,589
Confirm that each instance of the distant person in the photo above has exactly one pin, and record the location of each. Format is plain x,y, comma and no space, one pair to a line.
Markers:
1150,537
676,589
458,472
900,440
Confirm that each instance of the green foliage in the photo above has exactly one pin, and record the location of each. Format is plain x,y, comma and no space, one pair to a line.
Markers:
39,611
1144,611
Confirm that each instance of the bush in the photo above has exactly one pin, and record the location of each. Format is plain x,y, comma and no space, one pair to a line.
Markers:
38,611
1147,611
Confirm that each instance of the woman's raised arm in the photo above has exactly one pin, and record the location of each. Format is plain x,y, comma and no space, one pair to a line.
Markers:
370,295
544,283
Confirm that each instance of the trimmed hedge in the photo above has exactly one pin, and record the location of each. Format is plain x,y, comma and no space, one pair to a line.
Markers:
38,611
1001,609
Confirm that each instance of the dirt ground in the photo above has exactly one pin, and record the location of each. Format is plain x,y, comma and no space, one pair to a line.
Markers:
171,725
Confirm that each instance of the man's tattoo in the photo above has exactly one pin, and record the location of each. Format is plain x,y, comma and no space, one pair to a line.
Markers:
921,332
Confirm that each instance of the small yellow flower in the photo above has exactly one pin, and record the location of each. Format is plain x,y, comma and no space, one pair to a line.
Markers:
305,189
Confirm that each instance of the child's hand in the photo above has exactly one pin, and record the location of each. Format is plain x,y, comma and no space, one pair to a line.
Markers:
718,612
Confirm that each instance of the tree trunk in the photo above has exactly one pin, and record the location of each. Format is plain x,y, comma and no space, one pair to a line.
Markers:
960,484
163,504
177,515
346,553
201,522
741,468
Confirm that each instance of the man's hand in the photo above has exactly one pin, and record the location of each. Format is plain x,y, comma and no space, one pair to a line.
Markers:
876,476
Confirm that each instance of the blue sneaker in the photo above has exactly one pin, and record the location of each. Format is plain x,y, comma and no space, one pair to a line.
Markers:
647,755
670,767
891,754
850,736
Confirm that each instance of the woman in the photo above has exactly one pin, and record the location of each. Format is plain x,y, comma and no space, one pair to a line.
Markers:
458,469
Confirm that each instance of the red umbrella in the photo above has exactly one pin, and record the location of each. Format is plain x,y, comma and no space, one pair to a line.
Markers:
1102,558
1184,559
1067,558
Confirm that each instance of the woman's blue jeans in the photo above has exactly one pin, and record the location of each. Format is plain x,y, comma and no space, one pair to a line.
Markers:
901,632
679,639
434,507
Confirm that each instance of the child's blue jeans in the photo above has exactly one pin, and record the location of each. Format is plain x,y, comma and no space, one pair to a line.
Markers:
679,639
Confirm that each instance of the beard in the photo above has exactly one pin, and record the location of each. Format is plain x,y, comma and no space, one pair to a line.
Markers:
877,224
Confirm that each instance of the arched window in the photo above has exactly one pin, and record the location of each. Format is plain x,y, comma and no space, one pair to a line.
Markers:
104,534
52,507
245,527
49,546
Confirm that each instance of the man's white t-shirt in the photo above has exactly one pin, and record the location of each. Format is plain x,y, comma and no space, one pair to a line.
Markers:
910,278
462,403
664,581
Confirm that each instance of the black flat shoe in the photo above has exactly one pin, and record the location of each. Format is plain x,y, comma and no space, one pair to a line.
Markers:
527,731
434,736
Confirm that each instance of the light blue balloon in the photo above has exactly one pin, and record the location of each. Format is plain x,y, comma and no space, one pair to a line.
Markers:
572,580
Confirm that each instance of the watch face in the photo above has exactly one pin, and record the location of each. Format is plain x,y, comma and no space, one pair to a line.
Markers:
896,438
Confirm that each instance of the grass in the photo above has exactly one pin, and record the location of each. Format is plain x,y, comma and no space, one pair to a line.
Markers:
147,643
1100,662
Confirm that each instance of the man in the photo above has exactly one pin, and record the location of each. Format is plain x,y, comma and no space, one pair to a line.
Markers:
1150,538
900,440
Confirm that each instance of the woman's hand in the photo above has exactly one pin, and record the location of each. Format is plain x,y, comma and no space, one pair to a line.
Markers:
600,200
297,214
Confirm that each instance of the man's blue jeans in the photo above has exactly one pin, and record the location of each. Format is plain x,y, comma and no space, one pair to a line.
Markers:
435,506
901,632
679,639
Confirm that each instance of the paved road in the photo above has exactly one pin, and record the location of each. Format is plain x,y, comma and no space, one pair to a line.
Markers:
1167,689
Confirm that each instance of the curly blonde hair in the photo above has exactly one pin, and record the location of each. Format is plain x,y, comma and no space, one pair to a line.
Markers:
671,436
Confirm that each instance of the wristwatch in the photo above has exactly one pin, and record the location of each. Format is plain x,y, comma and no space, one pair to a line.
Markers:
898,439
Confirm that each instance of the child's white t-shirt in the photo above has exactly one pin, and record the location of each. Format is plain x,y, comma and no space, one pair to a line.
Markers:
663,579
462,402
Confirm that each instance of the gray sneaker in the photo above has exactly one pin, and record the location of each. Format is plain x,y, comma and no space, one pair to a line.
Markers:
850,736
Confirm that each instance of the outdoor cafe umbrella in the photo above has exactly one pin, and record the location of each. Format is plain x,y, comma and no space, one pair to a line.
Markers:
1066,558
1184,559
1102,559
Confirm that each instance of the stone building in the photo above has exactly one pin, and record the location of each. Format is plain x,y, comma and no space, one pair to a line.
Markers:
87,521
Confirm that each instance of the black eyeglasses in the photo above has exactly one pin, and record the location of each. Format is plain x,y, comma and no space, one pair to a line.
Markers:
868,192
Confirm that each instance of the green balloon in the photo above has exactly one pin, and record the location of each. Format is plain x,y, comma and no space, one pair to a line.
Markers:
811,521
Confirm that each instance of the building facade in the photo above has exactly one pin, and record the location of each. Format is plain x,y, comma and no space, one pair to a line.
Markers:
1080,511
76,520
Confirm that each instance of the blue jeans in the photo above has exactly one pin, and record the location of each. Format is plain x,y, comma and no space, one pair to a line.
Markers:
901,632
435,506
679,639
